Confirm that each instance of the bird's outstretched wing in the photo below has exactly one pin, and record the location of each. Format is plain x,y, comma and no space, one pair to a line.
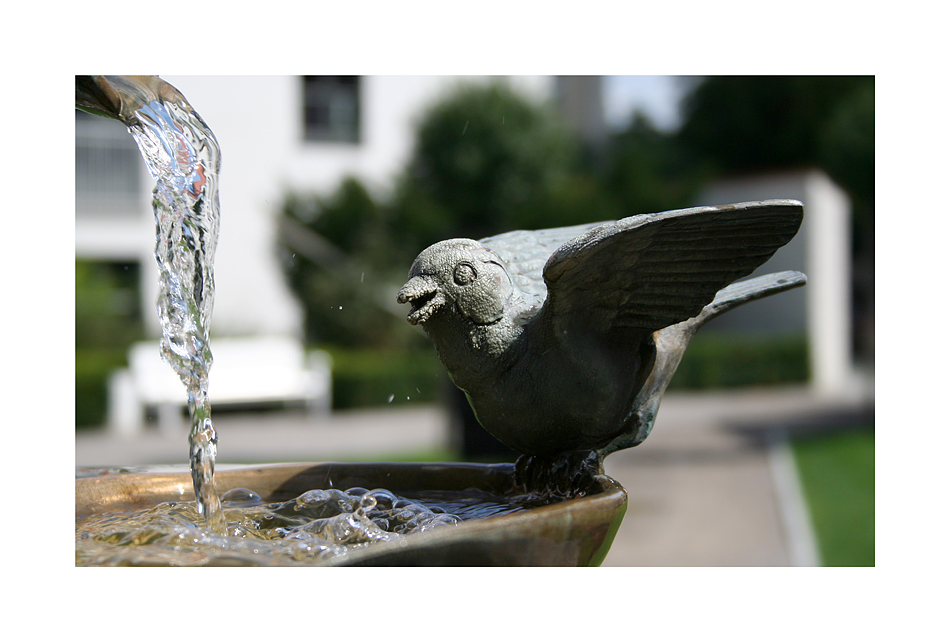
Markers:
653,270
526,253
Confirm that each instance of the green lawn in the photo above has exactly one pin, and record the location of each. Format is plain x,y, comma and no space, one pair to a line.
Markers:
837,475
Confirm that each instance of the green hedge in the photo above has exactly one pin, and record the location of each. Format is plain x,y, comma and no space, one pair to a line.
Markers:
92,375
729,361
370,377
363,377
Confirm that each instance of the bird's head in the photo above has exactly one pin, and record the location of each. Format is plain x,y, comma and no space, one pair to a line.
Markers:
462,274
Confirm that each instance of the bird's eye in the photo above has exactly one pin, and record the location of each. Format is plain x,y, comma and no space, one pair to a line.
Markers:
464,274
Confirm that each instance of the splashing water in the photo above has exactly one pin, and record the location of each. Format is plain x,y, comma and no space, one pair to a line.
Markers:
182,154
316,527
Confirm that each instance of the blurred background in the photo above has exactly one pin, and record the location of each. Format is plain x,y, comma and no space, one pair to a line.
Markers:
331,185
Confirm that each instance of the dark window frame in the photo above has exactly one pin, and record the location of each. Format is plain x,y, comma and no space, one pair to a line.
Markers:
331,109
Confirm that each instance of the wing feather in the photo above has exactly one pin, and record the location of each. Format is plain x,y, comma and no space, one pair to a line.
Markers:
654,270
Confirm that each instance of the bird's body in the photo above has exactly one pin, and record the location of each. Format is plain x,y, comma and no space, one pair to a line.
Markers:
564,339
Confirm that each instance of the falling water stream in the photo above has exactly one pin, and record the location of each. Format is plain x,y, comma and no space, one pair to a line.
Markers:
183,157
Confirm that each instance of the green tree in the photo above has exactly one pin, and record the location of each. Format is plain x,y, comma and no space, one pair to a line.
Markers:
338,256
645,170
487,160
748,123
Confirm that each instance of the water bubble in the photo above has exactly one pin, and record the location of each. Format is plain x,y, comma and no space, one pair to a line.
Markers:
241,496
384,498
367,502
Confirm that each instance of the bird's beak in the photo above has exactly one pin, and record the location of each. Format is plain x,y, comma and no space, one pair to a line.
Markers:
426,299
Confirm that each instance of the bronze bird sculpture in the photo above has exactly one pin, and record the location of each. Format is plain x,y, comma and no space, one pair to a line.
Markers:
565,339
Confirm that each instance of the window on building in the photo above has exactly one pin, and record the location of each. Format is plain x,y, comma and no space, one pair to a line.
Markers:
108,168
331,108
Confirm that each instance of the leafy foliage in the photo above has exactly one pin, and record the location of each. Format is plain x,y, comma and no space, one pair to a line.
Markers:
649,171
485,158
108,321
339,257
750,123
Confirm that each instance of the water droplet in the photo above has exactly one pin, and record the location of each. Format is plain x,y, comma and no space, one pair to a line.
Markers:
241,496
391,397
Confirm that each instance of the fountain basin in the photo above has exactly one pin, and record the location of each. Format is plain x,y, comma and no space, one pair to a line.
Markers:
574,532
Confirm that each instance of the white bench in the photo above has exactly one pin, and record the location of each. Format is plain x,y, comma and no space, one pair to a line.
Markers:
246,371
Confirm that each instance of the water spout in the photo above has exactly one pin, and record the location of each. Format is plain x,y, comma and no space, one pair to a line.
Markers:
119,97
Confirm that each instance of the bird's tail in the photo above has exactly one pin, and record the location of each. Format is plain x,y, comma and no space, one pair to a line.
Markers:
736,294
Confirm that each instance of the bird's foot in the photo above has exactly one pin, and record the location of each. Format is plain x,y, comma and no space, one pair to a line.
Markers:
562,476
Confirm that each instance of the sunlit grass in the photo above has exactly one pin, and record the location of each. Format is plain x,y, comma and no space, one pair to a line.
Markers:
837,475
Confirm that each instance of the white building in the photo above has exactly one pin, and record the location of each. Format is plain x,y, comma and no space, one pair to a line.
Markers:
276,133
